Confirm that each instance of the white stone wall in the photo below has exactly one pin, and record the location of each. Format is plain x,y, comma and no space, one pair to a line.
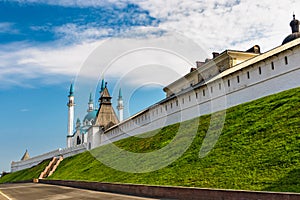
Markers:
93,137
67,152
264,79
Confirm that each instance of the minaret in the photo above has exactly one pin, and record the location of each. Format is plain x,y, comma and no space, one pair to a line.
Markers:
91,104
120,106
70,105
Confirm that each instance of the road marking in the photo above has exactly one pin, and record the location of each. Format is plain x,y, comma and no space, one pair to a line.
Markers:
1,193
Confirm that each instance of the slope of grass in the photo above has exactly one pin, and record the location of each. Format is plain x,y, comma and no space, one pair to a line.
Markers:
259,149
26,174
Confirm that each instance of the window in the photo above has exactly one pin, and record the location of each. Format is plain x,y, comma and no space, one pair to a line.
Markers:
176,102
182,100
248,75
238,79
204,93
166,107
286,60
211,89
196,95
220,87
228,82
272,66
259,70
171,105
189,98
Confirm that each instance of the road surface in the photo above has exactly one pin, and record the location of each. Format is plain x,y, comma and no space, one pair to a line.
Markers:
33,191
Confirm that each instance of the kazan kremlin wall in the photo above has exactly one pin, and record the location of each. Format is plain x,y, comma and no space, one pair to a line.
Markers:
265,74
268,73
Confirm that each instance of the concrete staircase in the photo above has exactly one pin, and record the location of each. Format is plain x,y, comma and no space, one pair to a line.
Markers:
50,169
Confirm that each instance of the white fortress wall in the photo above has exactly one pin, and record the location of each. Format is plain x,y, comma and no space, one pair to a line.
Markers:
67,152
270,75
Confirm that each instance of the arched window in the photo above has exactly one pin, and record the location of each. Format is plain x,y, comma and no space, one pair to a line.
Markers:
78,140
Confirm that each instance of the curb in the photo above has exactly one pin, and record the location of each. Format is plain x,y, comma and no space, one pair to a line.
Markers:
167,192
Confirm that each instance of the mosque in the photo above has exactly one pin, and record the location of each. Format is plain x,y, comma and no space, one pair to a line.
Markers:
96,120
227,79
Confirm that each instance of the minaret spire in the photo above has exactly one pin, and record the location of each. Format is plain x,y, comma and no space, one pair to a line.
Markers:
91,103
120,106
70,105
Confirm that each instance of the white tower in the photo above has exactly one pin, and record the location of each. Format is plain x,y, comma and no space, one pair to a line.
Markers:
120,106
70,105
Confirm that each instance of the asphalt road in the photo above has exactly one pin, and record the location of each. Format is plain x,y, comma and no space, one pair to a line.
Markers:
33,191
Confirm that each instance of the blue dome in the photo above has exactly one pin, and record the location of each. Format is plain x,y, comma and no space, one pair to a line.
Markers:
90,116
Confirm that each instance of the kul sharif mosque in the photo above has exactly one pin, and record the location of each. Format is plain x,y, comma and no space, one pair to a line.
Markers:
95,121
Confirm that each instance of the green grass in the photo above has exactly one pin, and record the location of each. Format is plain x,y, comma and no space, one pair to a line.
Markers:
258,149
26,174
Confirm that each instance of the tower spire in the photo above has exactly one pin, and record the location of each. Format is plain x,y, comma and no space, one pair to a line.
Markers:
102,85
90,104
70,105
120,106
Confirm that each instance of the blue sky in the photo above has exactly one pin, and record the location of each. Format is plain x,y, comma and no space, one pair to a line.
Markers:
44,45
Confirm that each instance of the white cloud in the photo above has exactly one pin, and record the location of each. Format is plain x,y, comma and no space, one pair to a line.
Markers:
7,27
20,63
215,25
219,25
76,33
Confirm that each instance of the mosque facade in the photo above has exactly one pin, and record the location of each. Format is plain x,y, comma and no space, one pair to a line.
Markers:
95,121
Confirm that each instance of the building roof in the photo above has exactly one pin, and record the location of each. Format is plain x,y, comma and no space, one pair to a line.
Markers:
257,59
210,63
295,31
105,93
25,156
106,116
90,116
71,93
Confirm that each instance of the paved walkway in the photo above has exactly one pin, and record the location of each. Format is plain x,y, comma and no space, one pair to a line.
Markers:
32,191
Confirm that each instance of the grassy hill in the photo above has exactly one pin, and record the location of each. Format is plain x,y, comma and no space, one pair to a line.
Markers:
259,149
26,174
